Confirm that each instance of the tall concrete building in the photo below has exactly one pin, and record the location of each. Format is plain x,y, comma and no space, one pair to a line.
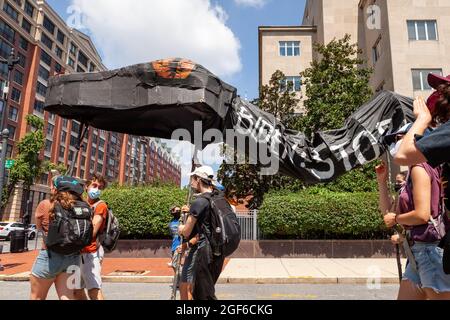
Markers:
47,46
402,40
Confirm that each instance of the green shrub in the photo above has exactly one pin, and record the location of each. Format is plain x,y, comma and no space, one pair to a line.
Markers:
320,214
143,212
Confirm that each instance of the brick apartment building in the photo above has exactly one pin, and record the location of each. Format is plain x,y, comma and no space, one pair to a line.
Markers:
47,46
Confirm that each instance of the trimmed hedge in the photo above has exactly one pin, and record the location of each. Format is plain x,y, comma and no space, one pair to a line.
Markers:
143,212
321,214
315,213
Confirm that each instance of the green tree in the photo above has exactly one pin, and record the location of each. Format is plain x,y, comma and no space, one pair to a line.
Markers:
242,180
336,85
27,165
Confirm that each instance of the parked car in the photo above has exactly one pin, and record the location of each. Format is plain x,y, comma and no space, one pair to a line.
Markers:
7,227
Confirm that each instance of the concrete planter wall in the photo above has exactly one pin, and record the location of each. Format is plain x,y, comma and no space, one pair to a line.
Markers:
270,249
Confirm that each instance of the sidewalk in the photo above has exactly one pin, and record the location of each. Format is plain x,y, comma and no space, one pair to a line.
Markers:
236,271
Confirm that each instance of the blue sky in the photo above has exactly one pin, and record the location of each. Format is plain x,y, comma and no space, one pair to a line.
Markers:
244,22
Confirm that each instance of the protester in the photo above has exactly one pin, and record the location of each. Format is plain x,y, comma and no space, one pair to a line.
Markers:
175,211
50,267
92,256
435,148
190,246
420,203
206,266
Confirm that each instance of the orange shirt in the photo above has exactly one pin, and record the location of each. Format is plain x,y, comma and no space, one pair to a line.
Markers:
101,210
43,218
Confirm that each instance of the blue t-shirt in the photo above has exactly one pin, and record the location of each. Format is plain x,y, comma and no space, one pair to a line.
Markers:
176,240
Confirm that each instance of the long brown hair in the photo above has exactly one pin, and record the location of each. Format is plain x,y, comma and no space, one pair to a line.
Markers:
65,199
442,112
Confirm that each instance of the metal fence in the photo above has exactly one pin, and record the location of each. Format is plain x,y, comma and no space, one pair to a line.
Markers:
249,225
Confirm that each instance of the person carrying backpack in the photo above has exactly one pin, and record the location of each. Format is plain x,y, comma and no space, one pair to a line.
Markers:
93,254
213,220
65,220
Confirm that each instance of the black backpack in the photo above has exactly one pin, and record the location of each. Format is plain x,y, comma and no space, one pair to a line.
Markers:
71,230
110,234
225,232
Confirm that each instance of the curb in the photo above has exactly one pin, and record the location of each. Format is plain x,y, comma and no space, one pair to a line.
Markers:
248,281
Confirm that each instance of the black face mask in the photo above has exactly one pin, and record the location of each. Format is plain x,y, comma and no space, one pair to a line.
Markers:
176,215
398,187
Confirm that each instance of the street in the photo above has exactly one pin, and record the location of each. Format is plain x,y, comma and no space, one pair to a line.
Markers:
125,291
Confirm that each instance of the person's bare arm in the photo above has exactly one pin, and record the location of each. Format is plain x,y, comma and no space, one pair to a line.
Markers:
422,199
409,154
385,200
97,223
186,230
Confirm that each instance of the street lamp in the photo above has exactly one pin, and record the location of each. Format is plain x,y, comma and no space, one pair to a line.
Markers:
11,62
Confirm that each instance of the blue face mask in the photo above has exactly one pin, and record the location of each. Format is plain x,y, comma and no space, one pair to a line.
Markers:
94,193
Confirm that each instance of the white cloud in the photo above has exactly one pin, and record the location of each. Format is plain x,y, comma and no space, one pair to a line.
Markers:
135,31
251,3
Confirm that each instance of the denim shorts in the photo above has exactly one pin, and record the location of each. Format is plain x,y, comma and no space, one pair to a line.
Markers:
430,271
49,266
188,272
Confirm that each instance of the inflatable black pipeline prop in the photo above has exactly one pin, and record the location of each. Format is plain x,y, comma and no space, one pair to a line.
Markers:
155,99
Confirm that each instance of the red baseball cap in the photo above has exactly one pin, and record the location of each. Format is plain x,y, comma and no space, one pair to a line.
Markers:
432,100
435,80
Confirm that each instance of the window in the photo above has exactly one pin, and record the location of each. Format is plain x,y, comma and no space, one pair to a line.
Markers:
75,127
18,77
59,52
12,132
63,137
61,37
9,151
82,59
50,130
292,83
83,161
23,43
100,155
376,51
70,155
64,123
29,9
71,62
73,141
22,60
48,146
47,41
15,95
101,143
289,48
41,89
10,11
420,77
73,49
62,151
58,67
422,30
13,114
92,67
18,2
6,31
80,69
26,25
39,106
99,168
5,49
49,25
46,58
44,73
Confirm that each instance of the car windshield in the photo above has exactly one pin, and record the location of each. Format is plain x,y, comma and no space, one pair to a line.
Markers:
2,224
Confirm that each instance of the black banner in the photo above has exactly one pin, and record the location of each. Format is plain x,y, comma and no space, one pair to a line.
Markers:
155,99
